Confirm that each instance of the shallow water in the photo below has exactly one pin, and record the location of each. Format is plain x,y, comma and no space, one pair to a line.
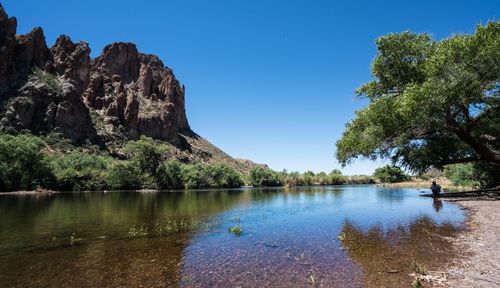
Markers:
338,236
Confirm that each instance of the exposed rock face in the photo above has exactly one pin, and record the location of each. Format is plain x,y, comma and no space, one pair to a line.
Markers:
129,93
19,53
71,61
8,28
146,99
42,108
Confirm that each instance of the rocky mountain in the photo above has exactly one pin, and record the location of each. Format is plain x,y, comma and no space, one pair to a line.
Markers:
117,96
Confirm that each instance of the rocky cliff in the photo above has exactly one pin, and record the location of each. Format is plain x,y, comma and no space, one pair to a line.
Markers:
117,96
130,93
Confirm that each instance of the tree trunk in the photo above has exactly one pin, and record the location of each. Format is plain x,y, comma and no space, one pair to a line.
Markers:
486,152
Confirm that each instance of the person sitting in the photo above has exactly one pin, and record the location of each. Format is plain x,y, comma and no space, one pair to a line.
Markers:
435,188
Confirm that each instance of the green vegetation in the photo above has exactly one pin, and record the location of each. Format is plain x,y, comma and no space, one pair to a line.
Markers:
80,171
145,153
48,79
360,179
124,175
260,177
417,283
27,162
418,268
74,239
391,174
23,165
472,175
168,175
433,103
236,230
163,229
206,176
335,177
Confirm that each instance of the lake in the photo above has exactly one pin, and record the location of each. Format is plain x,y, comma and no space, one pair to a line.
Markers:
328,236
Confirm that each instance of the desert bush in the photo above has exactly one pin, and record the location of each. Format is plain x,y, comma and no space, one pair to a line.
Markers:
23,165
169,175
214,176
263,177
124,175
146,153
80,171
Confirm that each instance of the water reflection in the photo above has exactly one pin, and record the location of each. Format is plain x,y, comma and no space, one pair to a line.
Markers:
386,255
290,237
437,204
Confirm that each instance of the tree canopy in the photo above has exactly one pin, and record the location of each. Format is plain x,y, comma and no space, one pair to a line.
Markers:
391,174
432,103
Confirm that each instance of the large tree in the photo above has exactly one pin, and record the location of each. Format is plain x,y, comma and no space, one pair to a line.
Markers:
432,103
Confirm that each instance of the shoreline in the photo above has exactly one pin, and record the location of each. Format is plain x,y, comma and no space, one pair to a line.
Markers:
48,191
478,262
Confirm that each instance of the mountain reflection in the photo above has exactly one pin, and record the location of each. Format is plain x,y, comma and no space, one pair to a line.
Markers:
40,229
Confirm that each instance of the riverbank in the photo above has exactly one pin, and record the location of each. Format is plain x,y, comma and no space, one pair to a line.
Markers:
479,262
445,183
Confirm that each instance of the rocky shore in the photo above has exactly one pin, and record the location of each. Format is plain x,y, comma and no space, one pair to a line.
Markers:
479,262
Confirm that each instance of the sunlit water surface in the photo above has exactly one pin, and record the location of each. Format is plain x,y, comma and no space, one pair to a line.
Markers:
338,236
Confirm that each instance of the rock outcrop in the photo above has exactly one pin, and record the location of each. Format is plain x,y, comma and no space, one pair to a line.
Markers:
128,93
136,94
32,95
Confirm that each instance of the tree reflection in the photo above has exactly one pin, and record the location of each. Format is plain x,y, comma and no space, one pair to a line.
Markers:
385,255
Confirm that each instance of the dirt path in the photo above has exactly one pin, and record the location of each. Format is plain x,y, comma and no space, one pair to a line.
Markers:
479,266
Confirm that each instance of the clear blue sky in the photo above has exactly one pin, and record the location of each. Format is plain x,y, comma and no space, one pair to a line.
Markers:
270,81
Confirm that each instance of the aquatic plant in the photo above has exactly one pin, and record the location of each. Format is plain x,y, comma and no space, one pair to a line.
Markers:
73,238
169,227
342,236
137,232
417,283
418,268
236,230
175,226
312,280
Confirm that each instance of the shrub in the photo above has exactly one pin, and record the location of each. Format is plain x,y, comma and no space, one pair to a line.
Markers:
48,79
168,175
360,179
223,176
80,171
193,176
146,153
390,174
336,177
472,175
215,176
23,165
263,177
124,175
